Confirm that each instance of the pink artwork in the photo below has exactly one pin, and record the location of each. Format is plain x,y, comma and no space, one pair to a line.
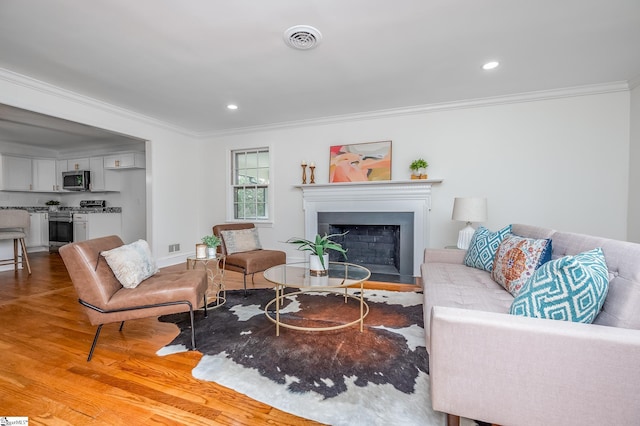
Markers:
360,162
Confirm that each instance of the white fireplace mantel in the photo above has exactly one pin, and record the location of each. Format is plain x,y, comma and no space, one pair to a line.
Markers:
377,196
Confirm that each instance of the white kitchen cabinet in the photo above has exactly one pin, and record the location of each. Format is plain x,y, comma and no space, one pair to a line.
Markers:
80,227
17,173
61,166
128,160
78,164
37,236
98,182
44,174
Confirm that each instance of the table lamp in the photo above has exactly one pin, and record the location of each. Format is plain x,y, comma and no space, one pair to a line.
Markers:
469,209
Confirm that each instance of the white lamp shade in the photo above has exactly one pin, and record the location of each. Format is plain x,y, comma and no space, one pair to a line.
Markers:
470,209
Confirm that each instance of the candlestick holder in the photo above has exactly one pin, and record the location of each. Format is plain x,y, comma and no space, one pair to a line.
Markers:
304,174
313,177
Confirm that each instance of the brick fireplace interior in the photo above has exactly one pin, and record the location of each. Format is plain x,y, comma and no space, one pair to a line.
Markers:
380,241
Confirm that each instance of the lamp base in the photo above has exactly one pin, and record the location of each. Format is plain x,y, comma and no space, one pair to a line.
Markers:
464,236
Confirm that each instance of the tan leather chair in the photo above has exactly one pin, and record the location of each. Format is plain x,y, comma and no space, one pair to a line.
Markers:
248,262
13,226
105,300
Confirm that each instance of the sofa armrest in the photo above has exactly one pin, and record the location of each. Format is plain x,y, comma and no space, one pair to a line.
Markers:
513,370
444,255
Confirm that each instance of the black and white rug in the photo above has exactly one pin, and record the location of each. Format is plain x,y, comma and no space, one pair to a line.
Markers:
376,377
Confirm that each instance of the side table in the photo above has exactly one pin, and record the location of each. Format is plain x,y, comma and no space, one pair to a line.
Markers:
215,276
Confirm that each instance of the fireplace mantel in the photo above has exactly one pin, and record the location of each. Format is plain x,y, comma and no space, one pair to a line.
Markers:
377,196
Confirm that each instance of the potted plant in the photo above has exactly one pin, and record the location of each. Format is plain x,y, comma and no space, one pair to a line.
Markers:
419,169
212,243
319,257
53,205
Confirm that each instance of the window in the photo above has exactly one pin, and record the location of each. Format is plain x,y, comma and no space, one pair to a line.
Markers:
250,184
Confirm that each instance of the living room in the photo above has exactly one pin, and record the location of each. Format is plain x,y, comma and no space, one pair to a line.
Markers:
558,156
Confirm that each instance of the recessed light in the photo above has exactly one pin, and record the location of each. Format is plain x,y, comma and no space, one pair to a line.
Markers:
232,106
491,65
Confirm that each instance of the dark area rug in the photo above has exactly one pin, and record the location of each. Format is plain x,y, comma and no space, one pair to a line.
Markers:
378,376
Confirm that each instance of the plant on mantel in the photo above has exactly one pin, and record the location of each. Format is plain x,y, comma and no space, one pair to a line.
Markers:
419,169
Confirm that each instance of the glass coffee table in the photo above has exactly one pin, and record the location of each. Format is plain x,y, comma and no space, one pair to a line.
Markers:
341,275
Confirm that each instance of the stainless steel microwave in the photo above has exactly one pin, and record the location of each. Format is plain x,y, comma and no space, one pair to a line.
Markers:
77,180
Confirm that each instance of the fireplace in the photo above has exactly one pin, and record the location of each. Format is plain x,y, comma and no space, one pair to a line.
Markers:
367,205
379,241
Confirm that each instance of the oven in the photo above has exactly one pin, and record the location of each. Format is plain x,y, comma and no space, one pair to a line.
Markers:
60,229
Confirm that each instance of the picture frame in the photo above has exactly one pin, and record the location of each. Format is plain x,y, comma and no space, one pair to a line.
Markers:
360,162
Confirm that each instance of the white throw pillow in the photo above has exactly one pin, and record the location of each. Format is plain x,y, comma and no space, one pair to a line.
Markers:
131,263
241,240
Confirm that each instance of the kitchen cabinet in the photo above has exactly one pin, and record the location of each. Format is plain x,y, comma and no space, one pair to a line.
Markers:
17,173
28,174
37,236
87,226
43,174
78,164
128,160
98,181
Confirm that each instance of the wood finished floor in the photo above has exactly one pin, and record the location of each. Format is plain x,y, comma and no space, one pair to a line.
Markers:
44,375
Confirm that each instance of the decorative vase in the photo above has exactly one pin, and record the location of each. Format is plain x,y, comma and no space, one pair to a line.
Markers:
315,266
211,251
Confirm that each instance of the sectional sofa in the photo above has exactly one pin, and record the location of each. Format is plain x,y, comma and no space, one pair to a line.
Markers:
492,366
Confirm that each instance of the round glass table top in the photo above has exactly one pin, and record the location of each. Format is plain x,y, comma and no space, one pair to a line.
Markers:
340,274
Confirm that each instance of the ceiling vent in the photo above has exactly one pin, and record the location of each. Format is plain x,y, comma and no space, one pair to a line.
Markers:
302,37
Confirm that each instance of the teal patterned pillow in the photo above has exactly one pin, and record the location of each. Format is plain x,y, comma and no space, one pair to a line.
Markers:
572,288
483,247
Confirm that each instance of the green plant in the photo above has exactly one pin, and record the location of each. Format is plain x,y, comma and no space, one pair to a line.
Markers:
211,241
418,164
52,203
320,245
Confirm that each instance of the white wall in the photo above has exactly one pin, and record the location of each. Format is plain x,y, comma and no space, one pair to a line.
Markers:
634,170
172,156
561,163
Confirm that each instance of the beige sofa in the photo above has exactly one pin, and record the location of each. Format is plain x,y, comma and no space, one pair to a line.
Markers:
491,366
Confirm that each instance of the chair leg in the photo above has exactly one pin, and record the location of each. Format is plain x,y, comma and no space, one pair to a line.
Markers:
25,256
15,254
121,325
193,329
206,314
95,341
245,284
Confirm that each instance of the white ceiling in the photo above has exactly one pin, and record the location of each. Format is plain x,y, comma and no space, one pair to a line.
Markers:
183,61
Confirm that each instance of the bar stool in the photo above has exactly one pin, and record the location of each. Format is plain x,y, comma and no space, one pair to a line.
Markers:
13,226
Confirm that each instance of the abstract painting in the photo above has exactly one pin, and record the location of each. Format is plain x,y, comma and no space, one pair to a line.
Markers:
360,162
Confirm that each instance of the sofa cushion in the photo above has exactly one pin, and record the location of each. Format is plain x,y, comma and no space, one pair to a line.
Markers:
131,263
571,288
241,240
516,260
483,246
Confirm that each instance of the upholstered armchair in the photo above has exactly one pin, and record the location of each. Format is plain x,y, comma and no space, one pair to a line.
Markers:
244,253
105,300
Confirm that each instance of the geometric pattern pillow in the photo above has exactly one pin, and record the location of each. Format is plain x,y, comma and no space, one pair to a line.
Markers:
241,240
572,288
517,259
483,246
131,263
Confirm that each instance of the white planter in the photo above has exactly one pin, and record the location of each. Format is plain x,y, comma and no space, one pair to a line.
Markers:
211,251
315,266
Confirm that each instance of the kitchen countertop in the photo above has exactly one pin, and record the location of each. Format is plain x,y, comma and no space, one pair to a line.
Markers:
44,209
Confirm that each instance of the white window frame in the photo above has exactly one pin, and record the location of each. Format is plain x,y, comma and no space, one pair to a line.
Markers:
231,153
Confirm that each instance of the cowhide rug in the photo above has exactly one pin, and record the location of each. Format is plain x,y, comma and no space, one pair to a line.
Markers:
376,377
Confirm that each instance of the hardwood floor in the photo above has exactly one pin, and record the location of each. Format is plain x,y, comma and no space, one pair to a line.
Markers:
44,375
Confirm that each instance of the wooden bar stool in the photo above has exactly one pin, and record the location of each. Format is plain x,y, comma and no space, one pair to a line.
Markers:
14,224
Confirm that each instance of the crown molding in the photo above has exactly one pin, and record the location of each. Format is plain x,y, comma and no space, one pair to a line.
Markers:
67,95
595,89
